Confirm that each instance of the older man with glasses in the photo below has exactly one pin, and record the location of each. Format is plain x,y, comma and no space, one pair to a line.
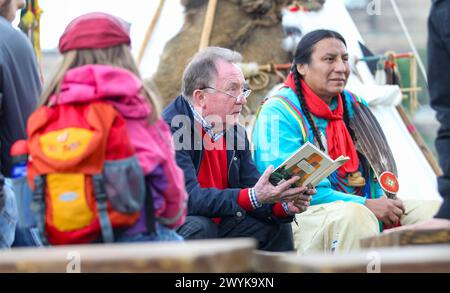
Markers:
227,195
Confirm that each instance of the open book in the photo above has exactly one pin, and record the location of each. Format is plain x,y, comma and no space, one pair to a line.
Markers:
309,163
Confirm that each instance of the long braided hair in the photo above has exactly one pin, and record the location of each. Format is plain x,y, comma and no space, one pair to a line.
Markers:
303,55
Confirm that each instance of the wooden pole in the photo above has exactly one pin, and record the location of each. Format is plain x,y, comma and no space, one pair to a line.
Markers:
411,89
419,141
208,24
149,31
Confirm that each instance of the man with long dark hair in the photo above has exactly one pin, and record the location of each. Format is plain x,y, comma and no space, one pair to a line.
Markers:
313,106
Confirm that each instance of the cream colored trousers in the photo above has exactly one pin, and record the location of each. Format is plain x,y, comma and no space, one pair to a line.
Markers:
338,226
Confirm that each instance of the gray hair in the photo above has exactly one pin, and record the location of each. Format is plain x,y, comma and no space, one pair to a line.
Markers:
201,70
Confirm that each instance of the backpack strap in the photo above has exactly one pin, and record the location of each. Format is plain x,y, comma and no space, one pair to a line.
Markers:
1,103
150,211
296,113
2,179
101,197
2,196
39,207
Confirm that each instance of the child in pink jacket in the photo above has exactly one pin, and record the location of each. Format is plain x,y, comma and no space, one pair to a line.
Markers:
98,66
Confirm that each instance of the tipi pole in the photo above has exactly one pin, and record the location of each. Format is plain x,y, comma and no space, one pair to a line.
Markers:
208,24
149,32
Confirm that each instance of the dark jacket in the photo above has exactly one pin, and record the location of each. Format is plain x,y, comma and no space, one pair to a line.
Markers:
242,172
20,87
439,86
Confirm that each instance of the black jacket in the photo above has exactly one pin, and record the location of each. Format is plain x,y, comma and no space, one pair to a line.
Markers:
242,172
20,87
439,86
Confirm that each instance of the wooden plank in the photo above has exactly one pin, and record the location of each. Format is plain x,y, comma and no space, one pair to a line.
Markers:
215,256
414,259
408,237
269,262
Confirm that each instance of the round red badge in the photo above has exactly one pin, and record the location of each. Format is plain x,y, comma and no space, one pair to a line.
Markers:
389,182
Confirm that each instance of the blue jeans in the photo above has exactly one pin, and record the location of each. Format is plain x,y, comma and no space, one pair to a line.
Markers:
27,237
26,233
24,199
8,215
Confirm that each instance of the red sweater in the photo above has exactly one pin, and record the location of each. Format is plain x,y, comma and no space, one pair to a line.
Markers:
213,173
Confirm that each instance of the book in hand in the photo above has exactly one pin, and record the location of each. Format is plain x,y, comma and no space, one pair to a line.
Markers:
309,163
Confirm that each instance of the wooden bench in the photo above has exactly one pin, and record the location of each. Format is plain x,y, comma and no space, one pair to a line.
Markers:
429,252
214,256
408,237
269,262
432,258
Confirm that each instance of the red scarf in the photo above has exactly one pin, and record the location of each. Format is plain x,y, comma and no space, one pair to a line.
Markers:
339,140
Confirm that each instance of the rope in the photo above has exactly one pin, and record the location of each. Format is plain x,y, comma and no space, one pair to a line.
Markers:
410,41
149,31
257,75
259,82
208,24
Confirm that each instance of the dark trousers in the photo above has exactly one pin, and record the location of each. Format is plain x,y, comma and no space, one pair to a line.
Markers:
439,86
270,236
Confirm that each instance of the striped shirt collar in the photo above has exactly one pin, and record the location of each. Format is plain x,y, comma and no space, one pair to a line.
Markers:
207,127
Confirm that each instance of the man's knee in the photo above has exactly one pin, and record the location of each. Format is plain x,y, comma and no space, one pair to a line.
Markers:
198,227
274,237
357,215
419,210
354,211
282,239
270,236
344,224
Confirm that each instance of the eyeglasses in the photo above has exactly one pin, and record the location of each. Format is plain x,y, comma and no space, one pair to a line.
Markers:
244,95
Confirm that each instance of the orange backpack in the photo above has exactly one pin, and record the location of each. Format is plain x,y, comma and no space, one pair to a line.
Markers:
83,171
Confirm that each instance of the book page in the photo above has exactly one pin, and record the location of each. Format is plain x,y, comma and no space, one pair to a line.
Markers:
336,165
308,162
341,160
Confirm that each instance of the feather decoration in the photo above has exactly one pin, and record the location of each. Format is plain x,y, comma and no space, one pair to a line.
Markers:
372,143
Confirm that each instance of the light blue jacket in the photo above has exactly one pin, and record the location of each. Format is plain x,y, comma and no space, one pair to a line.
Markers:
278,133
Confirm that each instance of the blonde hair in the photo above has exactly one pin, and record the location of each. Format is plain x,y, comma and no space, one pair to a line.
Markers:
118,56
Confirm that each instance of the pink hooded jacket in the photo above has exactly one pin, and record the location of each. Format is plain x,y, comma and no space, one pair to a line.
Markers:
153,143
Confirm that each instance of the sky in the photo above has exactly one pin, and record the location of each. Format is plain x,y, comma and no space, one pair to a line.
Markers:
58,13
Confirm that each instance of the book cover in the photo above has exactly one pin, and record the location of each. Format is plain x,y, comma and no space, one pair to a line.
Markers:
309,163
